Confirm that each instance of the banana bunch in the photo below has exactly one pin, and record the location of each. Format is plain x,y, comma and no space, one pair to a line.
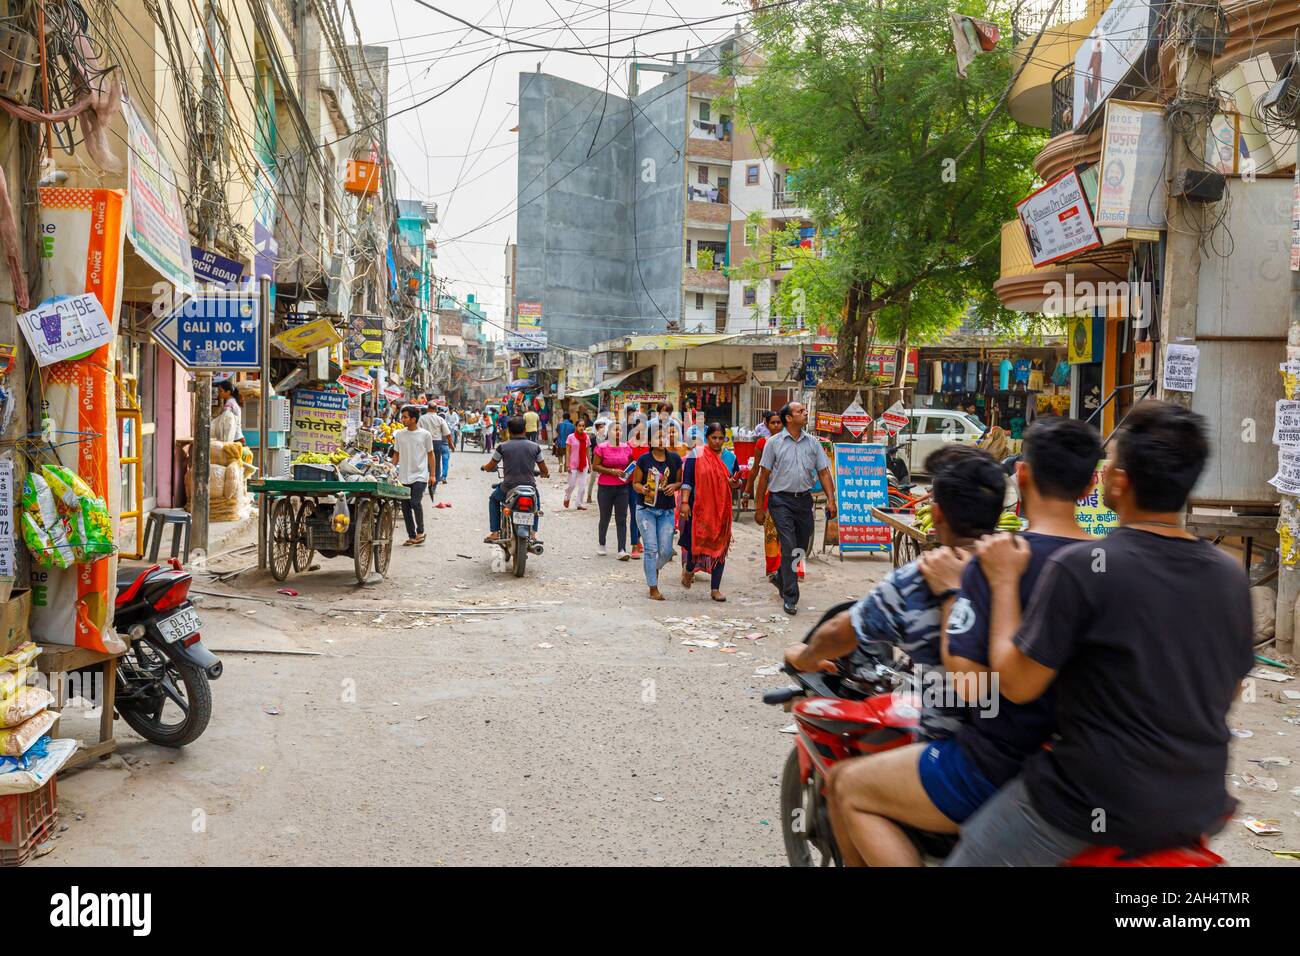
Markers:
924,520
313,458
1009,521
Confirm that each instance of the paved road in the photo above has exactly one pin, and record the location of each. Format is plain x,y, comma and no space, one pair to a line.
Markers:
464,741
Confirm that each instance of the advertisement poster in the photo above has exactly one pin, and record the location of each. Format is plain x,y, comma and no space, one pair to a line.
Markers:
1108,55
528,315
319,419
155,218
364,342
855,418
1091,512
831,424
1287,479
355,384
1181,362
1286,422
883,361
860,484
1057,220
309,337
1133,148
526,341
65,327
1080,341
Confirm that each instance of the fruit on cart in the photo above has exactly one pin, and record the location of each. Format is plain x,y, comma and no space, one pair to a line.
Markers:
1009,521
924,519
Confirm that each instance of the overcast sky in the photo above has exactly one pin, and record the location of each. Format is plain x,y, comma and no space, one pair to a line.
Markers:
458,150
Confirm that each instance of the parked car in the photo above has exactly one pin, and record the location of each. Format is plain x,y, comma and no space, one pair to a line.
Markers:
929,428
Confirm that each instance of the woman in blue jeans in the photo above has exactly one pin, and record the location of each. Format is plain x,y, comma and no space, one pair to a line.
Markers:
656,480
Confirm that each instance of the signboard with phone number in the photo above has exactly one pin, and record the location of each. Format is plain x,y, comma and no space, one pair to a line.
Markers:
860,484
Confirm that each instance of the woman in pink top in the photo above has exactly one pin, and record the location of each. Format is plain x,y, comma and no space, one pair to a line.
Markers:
611,460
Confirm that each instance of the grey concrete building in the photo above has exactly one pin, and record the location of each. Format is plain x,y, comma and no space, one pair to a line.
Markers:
603,205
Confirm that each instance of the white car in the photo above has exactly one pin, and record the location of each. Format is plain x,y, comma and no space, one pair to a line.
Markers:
928,429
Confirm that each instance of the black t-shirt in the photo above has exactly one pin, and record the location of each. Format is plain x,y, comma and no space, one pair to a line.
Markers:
997,740
518,456
670,472
1151,636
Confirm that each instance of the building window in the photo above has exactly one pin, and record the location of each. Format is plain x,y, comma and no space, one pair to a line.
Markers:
751,234
702,175
699,301
704,111
751,174
750,295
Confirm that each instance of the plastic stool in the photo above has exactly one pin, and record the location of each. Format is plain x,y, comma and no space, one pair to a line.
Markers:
179,519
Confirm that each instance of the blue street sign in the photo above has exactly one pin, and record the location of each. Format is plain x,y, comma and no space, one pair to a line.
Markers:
214,331
210,267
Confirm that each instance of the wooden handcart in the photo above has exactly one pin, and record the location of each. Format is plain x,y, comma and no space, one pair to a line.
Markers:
909,541
295,521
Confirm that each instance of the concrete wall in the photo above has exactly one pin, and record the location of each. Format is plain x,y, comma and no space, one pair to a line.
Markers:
585,223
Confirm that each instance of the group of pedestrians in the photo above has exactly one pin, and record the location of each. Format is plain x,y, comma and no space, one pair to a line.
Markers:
668,503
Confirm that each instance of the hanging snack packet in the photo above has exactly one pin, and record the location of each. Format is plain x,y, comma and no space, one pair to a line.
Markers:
90,529
44,531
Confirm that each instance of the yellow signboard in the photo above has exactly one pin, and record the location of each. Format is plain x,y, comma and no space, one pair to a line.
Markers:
1081,342
308,338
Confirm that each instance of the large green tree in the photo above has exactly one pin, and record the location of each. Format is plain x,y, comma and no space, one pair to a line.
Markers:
896,159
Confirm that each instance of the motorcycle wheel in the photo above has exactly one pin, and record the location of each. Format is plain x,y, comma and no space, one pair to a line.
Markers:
184,685
802,820
519,555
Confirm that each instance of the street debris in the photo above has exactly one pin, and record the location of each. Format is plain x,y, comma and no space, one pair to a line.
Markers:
1262,827
767,670
273,711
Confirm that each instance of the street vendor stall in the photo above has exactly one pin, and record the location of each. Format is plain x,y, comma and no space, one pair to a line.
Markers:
298,518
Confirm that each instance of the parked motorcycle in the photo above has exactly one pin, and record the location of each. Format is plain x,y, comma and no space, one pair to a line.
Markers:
519,514
865,709
163,689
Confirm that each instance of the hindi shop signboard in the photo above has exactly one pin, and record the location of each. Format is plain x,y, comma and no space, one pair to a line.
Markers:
216,330
526,341
66,327
1057,220
1131,192
860,484
1091,512
319,419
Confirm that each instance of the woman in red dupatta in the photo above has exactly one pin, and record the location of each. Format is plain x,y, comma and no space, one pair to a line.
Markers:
706,511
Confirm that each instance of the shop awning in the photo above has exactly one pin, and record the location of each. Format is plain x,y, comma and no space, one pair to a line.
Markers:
609,384
642,343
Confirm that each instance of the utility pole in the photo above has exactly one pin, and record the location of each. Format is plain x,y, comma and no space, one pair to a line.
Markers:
264,373
1194,35
199,459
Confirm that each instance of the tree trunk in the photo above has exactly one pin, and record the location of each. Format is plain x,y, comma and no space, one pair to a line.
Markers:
900,367
848,335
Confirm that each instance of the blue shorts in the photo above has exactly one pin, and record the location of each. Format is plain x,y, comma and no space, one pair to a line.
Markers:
951,782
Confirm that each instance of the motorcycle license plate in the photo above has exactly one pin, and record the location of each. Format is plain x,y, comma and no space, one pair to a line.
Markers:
179,625
522,517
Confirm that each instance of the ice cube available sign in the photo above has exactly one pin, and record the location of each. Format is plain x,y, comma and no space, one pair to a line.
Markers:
214,331
65,327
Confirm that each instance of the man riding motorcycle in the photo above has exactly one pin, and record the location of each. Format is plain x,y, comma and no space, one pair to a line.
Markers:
517,456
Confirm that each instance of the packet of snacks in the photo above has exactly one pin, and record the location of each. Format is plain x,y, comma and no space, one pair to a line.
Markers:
44,531
90,530
14,741
23,704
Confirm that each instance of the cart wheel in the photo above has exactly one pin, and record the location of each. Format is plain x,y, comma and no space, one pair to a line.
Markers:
383,546
909,550
302,549
281,543
363,537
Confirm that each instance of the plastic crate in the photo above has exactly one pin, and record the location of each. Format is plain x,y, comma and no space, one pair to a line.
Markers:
26,821
304,472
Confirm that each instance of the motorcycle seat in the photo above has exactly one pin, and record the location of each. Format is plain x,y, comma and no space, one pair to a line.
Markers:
126,575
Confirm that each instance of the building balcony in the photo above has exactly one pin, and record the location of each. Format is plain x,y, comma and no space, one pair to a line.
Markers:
1024,288
703,212
785,198
704,280
1066,151
1031,96
707,146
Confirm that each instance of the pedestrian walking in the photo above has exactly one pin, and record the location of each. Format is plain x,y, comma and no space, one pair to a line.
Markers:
610,462
577,459
705,510
414,455
440,432
599,435
771,543
532,425
562,433
792,464
656,480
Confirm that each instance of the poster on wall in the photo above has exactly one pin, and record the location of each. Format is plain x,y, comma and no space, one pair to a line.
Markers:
1110,54
1091,512
860,484
364,342
82,234
155,218
65,327
1057,220
1132,191
319,420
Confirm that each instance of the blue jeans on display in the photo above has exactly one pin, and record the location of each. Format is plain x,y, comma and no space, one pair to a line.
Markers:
656,538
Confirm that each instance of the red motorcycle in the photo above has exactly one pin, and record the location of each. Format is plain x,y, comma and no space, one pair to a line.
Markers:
866,708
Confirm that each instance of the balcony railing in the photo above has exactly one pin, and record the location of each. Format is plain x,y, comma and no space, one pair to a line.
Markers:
785,198
1028,16
1063,100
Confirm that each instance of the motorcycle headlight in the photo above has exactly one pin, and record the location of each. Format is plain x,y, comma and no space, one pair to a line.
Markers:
137,631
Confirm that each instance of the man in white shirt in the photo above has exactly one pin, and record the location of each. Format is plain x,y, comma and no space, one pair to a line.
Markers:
440,431
413,454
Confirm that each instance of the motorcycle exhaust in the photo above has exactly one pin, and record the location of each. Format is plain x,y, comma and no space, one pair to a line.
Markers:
534,549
